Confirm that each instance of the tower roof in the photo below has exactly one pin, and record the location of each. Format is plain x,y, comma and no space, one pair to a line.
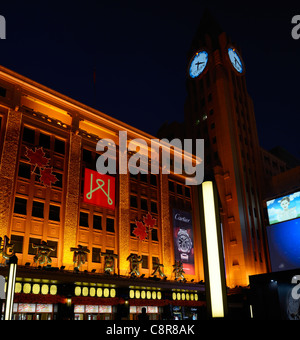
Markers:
207,26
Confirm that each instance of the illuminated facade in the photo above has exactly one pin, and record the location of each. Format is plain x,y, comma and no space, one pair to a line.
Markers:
36,208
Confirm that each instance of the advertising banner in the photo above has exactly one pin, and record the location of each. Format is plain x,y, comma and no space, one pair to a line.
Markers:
99,189
183,240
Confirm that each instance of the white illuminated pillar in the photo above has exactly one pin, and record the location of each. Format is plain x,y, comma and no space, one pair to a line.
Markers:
213,253
10,290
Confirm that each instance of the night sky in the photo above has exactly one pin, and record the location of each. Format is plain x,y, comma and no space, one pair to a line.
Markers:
139,48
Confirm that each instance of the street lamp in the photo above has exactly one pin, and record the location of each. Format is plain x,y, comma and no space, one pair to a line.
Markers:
10,291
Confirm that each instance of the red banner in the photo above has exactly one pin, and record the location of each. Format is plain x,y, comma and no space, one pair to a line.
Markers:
99,189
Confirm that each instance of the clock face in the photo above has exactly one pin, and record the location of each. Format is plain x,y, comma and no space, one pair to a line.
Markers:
236,60
198,64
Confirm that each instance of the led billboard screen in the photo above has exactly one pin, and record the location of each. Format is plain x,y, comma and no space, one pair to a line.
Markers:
284,208
284,245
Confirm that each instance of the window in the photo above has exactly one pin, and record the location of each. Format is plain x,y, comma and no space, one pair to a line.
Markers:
97,222
20,206
54,213
96,255
187,192
179,189
2,91
132,227
133,201
84,219
53,244
153,180
24,170
28,135
59,146
154,207
110,225
171,186
144,204
145,262
31,250
38,209
44,141
154,234
18,243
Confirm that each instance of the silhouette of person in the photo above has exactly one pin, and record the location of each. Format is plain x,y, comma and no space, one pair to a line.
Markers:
143,316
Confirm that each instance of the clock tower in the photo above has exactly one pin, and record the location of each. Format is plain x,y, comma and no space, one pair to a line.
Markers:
219,110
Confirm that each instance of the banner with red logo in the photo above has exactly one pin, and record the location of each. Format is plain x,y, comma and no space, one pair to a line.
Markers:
99,189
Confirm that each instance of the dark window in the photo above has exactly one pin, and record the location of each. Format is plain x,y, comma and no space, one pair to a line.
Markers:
154,235
54,213
28,135
20,206
44,141
187,192
24,170
132,227
153,180
179,189
18,243
59,182
53,244
84,219
144,177
31,250
154,207
59,146
133,201
96,255
38,209
171,186
144,204
145,262
97,222
110,225
2,91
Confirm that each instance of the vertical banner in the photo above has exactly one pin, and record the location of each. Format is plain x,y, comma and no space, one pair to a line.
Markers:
183,240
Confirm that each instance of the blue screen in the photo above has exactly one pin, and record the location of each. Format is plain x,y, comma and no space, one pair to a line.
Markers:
284,208
284,245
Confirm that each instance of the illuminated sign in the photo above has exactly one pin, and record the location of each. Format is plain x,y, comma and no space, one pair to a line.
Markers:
183,240
284,208
99,189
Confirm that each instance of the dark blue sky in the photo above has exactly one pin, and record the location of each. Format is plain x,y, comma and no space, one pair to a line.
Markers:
139,48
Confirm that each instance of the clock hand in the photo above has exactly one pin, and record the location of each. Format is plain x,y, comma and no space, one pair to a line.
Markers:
198,64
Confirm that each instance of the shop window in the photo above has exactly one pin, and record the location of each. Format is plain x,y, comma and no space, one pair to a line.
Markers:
96,255
37,209
54,213
110,225
28,135
97,222
20,206
84,219
24,170
18,243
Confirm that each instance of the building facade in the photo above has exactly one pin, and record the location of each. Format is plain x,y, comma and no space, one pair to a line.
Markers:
48,141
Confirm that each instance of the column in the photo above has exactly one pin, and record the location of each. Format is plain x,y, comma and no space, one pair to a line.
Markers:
72,198
8,168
